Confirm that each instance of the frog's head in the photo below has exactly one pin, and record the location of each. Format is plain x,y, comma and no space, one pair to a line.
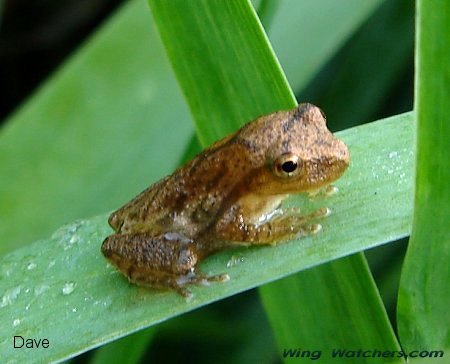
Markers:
299,153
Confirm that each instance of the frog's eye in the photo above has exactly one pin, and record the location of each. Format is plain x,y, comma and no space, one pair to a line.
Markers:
287,165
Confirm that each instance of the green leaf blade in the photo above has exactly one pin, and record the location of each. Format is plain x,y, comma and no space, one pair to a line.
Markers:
210,84
424,322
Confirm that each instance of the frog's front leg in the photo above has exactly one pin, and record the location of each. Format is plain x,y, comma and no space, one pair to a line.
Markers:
163,261
280,227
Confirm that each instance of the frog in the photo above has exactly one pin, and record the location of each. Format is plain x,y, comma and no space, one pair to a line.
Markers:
227,196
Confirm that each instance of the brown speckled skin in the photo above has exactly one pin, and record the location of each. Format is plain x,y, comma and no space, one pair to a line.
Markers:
224,197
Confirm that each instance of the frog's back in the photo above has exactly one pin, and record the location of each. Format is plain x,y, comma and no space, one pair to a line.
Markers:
190,198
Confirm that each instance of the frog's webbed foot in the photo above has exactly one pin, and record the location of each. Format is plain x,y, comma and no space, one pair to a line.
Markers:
295,225
179,283
295,214
196,278
290,224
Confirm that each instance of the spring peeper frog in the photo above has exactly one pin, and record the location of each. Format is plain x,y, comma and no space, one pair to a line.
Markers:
228,195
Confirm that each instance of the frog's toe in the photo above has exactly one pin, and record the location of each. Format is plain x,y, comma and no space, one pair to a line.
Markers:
183,291
179,284
205,280
314,228
308,229
322,212
200,278
224,277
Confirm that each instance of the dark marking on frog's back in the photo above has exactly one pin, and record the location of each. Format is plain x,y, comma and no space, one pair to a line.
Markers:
296,116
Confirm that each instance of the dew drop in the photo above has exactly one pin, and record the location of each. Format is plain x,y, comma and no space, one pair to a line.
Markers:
235,260
7,269
31,266
68,288
393,155
16,322
74,239
38,290
10,296
331,190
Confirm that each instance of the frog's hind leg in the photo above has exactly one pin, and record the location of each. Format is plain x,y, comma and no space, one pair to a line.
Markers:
177,283
152,261
163,261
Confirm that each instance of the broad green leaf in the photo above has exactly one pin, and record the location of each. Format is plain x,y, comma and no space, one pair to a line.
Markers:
91,137
345,314
424,320
59,287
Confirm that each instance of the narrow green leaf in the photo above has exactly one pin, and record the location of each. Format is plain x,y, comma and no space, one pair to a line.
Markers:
424,321
59,287
345,313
